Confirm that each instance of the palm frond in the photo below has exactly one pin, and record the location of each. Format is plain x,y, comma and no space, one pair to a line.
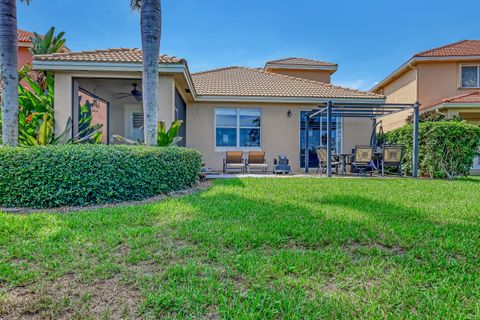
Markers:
136,5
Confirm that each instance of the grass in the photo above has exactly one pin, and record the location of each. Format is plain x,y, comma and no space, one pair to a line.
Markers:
254,249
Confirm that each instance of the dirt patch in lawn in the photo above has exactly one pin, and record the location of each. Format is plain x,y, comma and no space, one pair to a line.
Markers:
68,298
356,247
200,186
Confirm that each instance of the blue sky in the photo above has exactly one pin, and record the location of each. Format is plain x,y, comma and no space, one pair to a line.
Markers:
368,39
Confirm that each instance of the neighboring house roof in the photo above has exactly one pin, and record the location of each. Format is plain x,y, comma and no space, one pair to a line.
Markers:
301,62
471,97
119,55
240,81
24,36
460,50
463,99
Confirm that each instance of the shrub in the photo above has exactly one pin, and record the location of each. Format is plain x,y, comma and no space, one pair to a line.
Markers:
72,175
446,149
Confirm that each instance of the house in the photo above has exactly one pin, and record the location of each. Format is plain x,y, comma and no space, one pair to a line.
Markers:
24,44
24,55
445,79
233,108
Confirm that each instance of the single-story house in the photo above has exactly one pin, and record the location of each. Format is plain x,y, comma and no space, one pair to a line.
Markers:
233,108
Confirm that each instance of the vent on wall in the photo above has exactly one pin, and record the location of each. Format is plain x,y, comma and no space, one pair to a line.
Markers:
137,120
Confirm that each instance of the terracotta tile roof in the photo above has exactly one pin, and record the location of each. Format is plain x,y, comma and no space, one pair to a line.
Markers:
301,62
120,55
460,48
471,97
239,81
24,36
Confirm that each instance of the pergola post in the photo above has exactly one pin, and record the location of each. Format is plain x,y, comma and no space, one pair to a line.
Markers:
416,116
307,155
329,138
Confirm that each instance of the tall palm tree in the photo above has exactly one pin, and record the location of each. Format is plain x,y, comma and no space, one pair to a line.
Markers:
8,70
151,27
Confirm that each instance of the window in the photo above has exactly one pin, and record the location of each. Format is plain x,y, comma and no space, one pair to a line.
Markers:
237,128
470,76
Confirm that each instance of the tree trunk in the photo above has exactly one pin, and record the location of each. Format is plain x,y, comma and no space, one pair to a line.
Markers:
151,26
8,71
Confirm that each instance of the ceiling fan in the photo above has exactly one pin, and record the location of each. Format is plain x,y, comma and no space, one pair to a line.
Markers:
134,93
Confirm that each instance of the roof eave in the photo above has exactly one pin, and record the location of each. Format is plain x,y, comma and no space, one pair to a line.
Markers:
273,99
100,66
114,66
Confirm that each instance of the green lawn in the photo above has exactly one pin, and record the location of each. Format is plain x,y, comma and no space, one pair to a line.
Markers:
254,248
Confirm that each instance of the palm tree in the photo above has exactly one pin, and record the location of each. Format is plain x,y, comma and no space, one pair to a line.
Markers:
8,70
151,26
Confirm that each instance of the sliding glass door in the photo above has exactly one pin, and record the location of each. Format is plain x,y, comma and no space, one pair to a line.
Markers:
317,136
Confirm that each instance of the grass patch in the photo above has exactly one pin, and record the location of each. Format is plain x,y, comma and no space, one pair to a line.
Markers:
254,248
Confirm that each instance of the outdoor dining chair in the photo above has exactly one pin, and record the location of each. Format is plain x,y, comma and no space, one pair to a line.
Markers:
363,156
233,161
256,161
322,156
392,157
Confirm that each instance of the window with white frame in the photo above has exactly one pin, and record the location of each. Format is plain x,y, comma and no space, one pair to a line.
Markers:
470,76
237,127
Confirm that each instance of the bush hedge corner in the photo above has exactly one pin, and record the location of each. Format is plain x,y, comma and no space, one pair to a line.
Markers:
446,149
78,175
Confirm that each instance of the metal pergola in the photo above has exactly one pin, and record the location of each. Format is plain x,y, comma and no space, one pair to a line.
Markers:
360,110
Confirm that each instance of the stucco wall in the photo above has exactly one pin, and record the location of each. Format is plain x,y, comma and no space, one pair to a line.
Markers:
279,133
316,75
24,56
438,81
166,91
404,89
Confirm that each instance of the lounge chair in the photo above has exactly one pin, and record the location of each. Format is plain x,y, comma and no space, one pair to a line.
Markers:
322,156
256,161
392,157
363,156
233,161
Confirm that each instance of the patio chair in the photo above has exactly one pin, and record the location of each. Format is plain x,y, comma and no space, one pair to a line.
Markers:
392,157
322,156
233,161
256,161
363,156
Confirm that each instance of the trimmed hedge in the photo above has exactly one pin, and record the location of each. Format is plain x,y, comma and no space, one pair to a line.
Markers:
446,149
78,175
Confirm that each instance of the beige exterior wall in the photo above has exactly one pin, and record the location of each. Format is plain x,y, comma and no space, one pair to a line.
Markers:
356,131
429,83
63,101
279,133
166,91
438,81
316,75
404,89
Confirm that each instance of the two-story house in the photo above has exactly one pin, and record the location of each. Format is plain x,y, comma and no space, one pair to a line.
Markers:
446,79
